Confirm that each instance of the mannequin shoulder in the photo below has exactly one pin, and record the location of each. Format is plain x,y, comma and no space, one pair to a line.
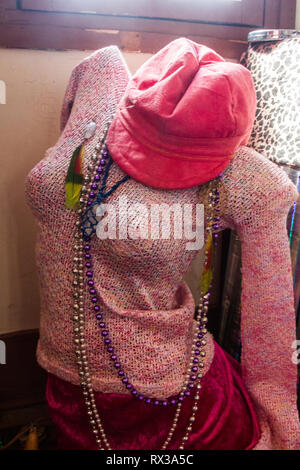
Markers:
109,56
250,172
253,181
103,56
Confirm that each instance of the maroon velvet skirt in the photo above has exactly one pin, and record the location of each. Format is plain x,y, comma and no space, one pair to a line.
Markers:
225,420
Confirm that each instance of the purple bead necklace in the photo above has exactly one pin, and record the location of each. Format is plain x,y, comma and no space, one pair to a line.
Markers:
84,279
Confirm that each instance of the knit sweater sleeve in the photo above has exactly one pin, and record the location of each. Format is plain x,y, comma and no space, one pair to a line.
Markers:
260,195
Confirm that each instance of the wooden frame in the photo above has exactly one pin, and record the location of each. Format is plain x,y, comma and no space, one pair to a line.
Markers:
140,25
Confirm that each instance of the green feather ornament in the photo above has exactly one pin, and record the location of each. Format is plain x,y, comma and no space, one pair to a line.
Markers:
74,179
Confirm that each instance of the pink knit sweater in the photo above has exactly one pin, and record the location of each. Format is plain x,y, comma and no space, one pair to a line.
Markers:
148,307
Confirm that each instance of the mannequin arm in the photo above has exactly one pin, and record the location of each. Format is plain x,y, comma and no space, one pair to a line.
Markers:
268,325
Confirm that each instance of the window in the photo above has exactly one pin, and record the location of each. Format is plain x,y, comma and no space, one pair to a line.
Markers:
139,25
209,11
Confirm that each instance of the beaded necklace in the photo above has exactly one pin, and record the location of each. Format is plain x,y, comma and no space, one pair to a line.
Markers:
84,281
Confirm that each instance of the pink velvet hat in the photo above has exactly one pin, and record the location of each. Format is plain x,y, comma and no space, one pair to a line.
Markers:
182,117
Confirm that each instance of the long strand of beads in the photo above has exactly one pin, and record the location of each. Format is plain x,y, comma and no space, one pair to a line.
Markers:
83,255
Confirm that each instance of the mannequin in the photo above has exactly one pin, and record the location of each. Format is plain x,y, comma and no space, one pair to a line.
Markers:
255,199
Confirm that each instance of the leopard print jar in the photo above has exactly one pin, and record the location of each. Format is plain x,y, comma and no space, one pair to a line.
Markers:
275,67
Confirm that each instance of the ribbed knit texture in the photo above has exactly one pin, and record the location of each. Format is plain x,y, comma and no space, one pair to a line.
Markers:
147,306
